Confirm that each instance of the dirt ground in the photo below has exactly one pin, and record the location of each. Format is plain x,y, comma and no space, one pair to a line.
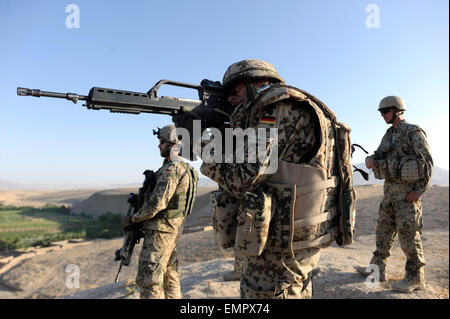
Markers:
45,275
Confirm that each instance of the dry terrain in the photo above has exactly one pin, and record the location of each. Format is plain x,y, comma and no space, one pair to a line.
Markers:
38,198
45,273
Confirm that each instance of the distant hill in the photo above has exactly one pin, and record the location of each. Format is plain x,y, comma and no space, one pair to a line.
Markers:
109,200
10,185
439,177
115,201
4,184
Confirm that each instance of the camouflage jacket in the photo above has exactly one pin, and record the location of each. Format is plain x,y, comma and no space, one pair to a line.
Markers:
265,201
285,115
402,142
172,184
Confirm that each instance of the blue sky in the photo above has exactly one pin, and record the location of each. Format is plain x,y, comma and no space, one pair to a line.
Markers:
324,47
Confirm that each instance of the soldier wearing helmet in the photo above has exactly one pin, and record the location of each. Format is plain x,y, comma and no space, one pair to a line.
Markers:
260,207
162,218
404,161
394,104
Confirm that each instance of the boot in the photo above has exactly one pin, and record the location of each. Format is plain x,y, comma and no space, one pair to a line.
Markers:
411,282
232,276
366,271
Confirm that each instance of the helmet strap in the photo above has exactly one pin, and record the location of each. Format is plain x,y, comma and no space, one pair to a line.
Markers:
251,92
394,116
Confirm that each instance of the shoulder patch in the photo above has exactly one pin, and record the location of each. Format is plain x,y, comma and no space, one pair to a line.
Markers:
169,167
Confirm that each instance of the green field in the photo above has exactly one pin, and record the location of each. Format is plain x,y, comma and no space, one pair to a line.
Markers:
22,227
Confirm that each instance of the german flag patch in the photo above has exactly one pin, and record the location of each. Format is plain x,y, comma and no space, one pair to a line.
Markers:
267,120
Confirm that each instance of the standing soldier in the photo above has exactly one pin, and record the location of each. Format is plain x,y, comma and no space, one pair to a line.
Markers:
283,218
162,218
404,161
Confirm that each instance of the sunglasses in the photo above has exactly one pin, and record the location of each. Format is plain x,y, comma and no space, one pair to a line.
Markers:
385,111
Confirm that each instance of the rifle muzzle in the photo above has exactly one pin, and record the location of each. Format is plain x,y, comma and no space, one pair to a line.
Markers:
25,92
38,93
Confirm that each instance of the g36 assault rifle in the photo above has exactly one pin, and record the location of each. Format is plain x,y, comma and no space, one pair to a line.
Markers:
133,233
210,108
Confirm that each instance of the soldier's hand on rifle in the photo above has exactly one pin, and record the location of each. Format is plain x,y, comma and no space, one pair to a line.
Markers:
126,222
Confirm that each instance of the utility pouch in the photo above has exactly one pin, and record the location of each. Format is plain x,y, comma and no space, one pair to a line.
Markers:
254,215
347,217
411,170
382,171
393,168
224,208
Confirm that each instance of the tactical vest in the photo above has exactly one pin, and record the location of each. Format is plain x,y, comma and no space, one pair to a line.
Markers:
397,162
181,204
308,205
323,187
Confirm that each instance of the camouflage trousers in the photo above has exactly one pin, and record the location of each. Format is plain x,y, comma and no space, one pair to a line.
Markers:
159,274
237,266
398,216
275,275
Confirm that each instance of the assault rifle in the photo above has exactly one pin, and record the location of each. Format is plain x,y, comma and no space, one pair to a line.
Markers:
133,234
210,108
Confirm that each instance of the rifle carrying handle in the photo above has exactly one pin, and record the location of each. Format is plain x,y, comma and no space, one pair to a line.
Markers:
154,90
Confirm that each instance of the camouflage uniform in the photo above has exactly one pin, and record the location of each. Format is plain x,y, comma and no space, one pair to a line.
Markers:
162,218
277,272
401,143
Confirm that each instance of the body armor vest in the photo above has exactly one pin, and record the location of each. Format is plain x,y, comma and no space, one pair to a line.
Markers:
308,204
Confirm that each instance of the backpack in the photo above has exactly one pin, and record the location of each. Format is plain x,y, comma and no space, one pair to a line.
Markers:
346,194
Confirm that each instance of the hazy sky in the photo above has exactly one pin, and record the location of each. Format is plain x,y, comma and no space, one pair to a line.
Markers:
348,53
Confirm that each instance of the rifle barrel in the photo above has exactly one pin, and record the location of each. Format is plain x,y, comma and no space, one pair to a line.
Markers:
38,93
118,272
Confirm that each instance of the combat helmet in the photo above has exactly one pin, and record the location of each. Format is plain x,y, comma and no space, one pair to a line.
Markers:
392,101
168,133
250,69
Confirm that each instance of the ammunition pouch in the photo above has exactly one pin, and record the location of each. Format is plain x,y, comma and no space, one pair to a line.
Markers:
411,170
406,170
253,220
224,209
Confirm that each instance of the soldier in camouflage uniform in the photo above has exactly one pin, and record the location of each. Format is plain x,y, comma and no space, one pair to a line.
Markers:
404,161
162,218
276,268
